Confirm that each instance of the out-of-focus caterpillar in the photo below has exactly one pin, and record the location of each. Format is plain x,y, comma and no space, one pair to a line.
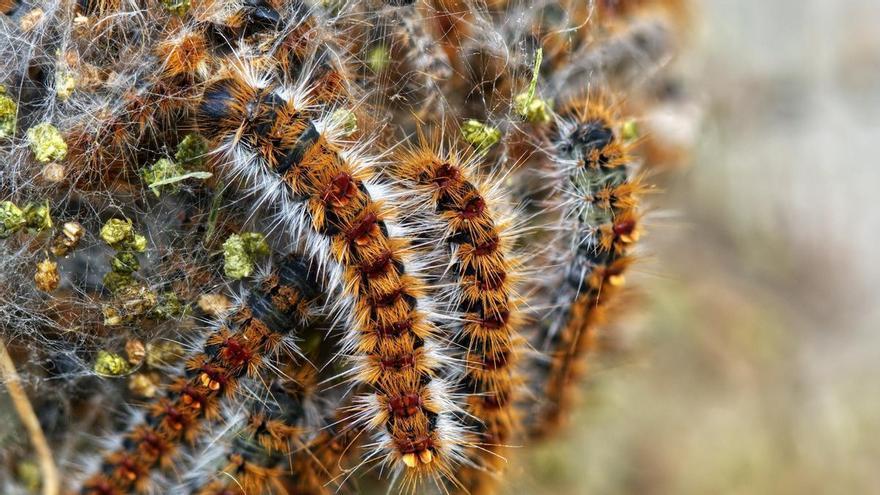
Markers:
600,199
423,65
254,462
264,437
322,467
478,230
261,329
270,138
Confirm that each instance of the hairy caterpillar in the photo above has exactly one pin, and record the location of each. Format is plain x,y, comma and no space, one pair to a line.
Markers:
601,209
276,145
480,236
262,328
258,454
419,61
272,439
321,467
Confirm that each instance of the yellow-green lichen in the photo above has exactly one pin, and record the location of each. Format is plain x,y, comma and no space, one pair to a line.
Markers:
64,85
11,219
170,306
37,217
46,142
8,113
164,169
240,252
110,364
481,135
191,151
120,234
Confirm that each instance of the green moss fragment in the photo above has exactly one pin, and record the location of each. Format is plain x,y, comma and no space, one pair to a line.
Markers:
8,113
28,473
527,104
178,178
630,130
46,143
161,171
191,152
240,252
378,58
110,364
480,135
11,219
116,281
38,217
125,262
177,7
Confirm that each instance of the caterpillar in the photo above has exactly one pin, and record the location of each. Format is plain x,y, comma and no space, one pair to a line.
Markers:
421,65
277,147
479,234
600,198
284,423
275,427
263,327
321,467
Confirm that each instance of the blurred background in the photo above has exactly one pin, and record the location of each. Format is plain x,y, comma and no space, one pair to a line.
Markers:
753,364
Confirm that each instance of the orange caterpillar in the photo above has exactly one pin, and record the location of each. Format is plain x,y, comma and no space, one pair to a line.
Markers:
273,141
262,327
193,47
473,225
320,467
602,200
259,458
252,468
677,10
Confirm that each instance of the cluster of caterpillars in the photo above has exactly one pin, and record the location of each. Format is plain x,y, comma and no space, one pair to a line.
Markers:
354,241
